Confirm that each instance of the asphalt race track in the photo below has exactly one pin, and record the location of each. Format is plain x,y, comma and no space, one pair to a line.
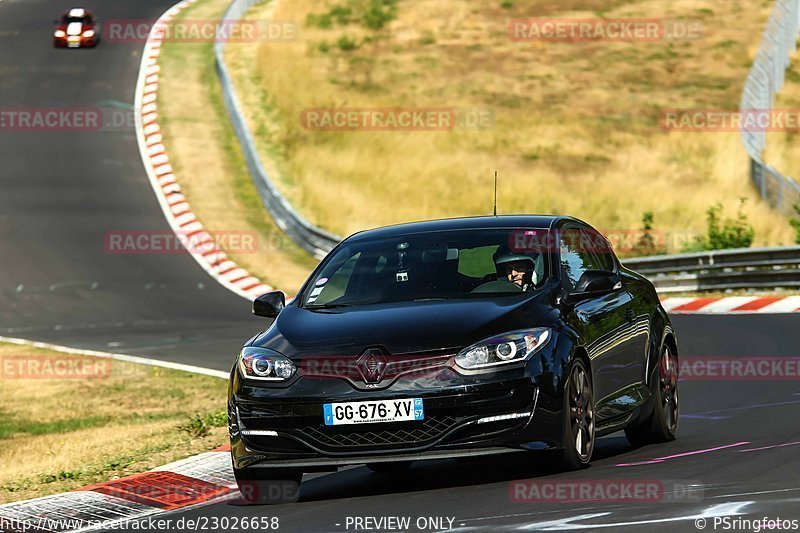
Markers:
62,191
737,415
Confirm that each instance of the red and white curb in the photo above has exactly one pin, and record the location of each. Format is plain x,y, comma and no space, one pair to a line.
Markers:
732,305
199,480
163,180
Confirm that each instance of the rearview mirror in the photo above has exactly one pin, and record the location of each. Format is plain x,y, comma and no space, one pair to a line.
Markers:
270,304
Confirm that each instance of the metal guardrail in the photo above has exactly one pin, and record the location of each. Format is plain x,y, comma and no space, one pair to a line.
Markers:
747,268
765,79
743,268
315,240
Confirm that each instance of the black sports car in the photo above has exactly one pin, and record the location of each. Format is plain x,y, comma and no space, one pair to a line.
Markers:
447,339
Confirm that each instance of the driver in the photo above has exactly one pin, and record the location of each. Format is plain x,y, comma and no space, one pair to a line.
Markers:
516,268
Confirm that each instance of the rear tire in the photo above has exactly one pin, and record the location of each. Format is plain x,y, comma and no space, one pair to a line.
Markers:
268,486
579,430
662,424
394,466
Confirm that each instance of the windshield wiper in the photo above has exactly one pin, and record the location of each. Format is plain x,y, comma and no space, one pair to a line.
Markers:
326,306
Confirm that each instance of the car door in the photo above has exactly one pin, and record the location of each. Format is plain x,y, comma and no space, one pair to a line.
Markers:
607,323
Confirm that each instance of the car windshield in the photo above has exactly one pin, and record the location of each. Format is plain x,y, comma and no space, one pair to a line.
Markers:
66,19
439,265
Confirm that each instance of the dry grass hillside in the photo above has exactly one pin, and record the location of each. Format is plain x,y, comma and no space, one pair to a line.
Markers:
575,127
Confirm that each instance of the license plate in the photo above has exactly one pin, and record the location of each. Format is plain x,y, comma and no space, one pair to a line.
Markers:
409,409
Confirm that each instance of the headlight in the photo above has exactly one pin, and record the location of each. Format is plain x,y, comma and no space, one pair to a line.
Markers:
88,33
60,33
264,364
509,348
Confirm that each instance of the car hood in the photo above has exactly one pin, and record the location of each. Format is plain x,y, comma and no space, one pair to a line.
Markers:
400,328
74,28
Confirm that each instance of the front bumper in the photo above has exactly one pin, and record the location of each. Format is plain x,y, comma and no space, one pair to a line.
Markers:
81,42
287,429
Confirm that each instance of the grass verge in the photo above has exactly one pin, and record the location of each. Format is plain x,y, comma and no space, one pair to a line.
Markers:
576,127
208,161
98,421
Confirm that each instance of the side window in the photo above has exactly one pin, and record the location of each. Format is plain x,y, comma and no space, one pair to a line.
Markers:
600,255
581,250
572,255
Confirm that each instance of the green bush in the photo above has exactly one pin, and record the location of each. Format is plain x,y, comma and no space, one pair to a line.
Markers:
342,14
379,13
323,21
346,44
724,233
796,224
372,14
646,244
199,426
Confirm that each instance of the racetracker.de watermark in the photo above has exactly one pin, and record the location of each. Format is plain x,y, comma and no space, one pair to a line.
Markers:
385,367
67,119
51,119
722,120
169,242
54,367
396,119
605,491
597,242
200,31
739,368
627,30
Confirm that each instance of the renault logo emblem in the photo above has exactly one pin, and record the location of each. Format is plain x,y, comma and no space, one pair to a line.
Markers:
371,365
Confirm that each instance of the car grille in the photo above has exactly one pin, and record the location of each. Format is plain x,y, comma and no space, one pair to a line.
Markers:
352,437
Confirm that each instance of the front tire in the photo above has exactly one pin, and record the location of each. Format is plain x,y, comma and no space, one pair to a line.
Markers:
267,485
579,429
662,424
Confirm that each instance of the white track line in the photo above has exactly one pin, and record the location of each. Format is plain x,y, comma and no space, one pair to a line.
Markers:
117,357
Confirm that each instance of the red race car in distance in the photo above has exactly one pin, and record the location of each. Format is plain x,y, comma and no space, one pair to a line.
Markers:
76,28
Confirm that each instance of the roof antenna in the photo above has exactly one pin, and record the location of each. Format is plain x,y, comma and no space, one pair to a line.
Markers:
495,193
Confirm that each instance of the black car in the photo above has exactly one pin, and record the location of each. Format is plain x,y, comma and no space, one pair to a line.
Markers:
449,339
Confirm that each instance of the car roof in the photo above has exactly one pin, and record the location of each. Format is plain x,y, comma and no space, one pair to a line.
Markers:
484,222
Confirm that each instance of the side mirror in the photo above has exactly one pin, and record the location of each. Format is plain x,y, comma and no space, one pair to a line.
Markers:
270,304
595,283
598,281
